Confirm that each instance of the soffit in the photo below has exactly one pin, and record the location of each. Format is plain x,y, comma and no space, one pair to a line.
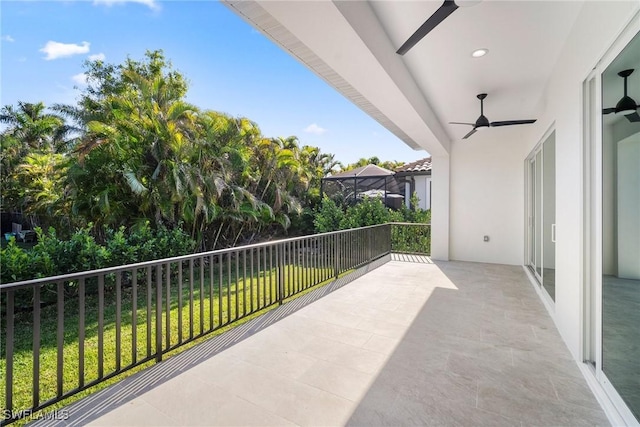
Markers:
351,45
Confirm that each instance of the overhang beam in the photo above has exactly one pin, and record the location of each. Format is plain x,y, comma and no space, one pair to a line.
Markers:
326,37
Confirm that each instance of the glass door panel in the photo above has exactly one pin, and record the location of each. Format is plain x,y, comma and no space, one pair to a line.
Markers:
537,215
621,230
549,216
542,214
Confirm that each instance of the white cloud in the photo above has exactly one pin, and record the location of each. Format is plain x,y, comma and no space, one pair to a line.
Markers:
55,50
97,57
315,129
80,79
8,38
151,4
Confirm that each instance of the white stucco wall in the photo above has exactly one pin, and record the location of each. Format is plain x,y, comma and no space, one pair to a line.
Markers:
422,190
595,30
487,197
440,195
494,205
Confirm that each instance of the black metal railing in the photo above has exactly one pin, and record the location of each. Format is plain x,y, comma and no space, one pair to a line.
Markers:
411,238
64,334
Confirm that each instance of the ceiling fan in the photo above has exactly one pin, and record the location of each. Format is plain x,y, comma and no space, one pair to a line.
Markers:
483,122
626,106
447,8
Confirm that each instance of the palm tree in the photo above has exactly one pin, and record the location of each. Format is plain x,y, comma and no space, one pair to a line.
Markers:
30,124
42,178
145,132
29,144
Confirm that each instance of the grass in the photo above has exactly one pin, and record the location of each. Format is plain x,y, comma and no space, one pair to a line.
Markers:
234,296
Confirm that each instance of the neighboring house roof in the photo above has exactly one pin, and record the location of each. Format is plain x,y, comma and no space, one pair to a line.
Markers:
368,171
419,167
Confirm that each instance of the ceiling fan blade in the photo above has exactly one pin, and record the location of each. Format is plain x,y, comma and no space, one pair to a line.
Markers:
633,117
461,123
447,8
608,110
512,122
470,133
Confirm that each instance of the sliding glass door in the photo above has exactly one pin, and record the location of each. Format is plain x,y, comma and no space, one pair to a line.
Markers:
620,258
611,227
542,214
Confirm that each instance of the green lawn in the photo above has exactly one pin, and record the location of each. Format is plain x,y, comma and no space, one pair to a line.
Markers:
226,298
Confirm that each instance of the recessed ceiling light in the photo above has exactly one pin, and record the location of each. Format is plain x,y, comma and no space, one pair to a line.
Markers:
479,53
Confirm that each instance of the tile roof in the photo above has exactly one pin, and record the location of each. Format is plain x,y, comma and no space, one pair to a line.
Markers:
422,165
362,172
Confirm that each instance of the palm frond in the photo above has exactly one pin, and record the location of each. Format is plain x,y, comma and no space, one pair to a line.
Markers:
134,183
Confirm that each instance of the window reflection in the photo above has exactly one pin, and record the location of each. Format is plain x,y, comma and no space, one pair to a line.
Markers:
621,225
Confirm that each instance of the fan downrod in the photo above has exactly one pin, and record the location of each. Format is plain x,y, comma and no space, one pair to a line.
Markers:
482,121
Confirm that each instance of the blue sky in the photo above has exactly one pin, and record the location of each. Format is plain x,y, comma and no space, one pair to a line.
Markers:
230,66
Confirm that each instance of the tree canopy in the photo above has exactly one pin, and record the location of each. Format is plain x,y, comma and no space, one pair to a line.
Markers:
133,150
387,164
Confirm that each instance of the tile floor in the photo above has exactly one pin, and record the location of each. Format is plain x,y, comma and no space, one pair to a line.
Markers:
408,343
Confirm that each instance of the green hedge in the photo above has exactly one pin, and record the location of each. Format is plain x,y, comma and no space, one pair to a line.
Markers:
412,239
369,211
404,238
52,256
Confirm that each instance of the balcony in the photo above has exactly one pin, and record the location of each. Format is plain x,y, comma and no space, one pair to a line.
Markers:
394,340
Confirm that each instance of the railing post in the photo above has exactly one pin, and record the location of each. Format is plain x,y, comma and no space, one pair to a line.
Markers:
336,255
60,338
159,313
280,258
299,263
101,326
36,346
9,351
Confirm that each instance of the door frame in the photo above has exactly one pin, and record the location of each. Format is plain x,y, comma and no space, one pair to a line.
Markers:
591,226
530,189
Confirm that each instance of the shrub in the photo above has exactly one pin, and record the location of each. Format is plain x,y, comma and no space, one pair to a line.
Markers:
52,256
397,216
80,253
170,243
329,216
16,264
119,247
304,223
369,211
411,239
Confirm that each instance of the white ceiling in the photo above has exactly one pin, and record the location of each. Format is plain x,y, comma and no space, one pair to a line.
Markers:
352,44
524,39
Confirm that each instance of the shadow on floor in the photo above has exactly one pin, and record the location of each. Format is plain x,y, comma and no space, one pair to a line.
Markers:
100,403
482,350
